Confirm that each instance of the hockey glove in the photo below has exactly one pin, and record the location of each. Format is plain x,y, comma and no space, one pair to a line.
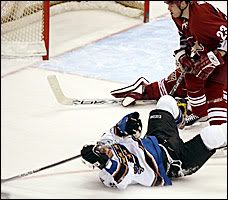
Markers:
185,61
206,65
175,169
182,104
94,156
129,125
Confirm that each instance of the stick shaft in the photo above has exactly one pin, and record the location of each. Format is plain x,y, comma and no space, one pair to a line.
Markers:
179,80
40,169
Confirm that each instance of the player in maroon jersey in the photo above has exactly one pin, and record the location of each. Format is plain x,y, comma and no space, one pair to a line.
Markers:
203,46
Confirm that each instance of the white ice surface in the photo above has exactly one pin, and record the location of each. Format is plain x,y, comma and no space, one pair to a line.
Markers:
36,131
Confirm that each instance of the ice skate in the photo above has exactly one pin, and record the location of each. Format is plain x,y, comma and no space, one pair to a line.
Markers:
192,119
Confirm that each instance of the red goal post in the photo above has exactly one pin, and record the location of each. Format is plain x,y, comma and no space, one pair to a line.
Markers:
25,24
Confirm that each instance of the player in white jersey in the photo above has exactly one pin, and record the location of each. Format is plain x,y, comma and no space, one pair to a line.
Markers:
124,158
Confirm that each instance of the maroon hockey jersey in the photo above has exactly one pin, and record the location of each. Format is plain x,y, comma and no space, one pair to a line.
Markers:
207,26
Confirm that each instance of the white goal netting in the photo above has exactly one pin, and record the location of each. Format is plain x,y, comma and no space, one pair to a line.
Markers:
22,28
23,22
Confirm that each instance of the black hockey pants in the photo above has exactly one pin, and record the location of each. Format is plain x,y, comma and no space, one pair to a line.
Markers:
191,154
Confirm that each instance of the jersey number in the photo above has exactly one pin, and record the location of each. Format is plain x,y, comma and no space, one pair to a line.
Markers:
222,32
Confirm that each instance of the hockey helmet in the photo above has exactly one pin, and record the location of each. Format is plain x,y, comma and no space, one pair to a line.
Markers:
176,2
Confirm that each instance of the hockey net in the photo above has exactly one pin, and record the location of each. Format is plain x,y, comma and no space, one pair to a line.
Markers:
25,24
135,9
22,28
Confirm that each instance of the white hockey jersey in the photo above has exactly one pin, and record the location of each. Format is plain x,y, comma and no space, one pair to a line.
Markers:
133,161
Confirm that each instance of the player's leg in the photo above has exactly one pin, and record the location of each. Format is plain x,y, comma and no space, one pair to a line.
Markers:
163,122
197,99
217,105
203,145
182,159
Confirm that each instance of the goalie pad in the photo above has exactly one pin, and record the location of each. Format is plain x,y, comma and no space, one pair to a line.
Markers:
131,93
123,92
143,90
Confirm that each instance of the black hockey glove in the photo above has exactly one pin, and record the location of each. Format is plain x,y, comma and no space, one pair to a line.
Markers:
175,169
91,154
129,125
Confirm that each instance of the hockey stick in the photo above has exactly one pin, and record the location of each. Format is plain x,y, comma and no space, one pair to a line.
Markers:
179,80
62,99
38,170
